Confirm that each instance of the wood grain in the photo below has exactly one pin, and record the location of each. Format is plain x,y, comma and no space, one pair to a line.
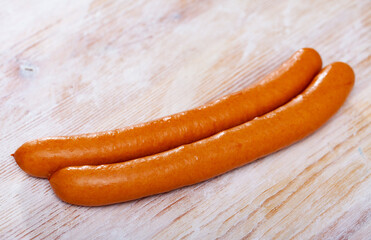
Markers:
70,67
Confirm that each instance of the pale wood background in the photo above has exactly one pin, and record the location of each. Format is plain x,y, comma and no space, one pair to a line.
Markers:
71,66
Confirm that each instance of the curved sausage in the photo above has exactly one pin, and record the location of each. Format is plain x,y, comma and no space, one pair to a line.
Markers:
42,157
207,158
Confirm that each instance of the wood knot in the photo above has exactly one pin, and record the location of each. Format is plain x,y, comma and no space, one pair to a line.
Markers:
27,69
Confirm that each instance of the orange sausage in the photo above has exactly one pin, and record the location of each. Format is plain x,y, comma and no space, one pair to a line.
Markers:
42,157
207,158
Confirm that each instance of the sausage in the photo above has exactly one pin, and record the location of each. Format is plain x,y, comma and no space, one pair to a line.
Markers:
42,157
207,158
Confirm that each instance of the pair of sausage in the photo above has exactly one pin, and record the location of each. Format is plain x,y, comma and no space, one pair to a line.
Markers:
195,162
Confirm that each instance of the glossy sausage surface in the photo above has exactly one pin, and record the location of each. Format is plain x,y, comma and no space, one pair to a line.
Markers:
42,157
207,158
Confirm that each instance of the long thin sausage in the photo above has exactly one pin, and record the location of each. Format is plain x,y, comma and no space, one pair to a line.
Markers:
42,157
207,158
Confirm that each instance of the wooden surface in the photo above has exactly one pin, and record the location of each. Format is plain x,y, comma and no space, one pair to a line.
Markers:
70,67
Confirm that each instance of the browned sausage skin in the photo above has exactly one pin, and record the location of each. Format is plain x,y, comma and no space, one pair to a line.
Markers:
199,161
42,157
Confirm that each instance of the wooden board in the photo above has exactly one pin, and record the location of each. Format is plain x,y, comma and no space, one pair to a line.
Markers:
69,67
